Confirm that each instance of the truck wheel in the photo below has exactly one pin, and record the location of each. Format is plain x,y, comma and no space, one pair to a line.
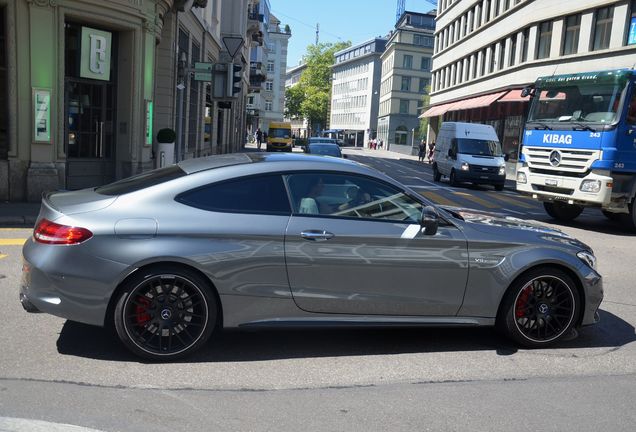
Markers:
437,176
630,219
499,187
561,211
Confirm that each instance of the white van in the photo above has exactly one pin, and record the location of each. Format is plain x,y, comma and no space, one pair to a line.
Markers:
469,152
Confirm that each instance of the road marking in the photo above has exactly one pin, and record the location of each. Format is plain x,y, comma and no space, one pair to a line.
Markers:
438,199
12,242
515,202
478,200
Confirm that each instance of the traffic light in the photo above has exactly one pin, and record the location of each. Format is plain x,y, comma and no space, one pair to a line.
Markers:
234,79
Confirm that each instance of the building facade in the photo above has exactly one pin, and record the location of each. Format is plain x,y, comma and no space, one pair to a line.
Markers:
300,126
354,91
406,74
273,100
85,85
486,51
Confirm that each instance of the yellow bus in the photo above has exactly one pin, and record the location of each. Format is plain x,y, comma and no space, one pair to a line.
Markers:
279,137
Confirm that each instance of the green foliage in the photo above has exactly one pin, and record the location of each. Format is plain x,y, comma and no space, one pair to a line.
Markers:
310,97
166,135
287,29
426,100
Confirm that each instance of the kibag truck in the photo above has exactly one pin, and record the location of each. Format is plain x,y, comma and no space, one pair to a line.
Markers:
579,144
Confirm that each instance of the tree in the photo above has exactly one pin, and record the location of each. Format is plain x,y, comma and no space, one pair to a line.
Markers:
426,100
310,97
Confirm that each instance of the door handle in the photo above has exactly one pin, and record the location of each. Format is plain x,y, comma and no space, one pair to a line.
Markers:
316,235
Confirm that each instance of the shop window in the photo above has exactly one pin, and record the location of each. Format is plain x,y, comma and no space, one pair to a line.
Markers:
544,39
631,33
401,135
571,34
602,28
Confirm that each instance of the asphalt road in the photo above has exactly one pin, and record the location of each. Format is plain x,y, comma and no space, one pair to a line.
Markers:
365,379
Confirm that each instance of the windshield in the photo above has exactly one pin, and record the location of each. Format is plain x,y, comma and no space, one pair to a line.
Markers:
478,147
279,133
583,103
325,149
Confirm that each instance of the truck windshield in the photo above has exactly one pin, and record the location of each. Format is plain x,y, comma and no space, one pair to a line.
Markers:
576,104
279,133
478,147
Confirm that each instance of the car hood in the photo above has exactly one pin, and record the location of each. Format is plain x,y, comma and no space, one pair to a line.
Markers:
490,222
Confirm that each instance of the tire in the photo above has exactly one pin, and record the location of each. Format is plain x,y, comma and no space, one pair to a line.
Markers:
437,176
165,313
540,308
561,211
499,187
452,180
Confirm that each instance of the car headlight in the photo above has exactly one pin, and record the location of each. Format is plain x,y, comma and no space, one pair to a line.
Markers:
591,186
465,166
588,258
502,170
521,178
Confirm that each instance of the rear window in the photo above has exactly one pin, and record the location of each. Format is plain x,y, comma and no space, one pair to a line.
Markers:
325,149
142,181
259,194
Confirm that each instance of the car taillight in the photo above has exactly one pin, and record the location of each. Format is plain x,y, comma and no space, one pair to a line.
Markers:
51,233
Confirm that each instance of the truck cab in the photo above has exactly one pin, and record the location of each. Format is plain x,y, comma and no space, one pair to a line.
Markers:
579,144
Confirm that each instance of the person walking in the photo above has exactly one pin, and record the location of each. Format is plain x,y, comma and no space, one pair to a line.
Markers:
422,151
431,152
259,138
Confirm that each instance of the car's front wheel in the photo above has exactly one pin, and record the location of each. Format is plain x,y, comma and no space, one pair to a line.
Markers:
540,308
562,211
165,313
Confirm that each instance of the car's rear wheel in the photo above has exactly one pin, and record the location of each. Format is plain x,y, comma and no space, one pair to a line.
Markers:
629,219
437,176
562,211
499,187
540,308
452,180
165,313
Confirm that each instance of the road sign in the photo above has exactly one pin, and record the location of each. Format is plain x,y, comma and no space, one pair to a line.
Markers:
203,71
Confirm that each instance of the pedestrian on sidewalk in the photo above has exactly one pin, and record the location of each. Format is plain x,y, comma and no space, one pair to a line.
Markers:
422,151
259,138
431,152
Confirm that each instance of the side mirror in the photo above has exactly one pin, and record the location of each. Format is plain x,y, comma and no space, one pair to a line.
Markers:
451,154
527,91
429,220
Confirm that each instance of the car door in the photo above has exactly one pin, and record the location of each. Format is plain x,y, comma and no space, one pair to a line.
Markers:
360,251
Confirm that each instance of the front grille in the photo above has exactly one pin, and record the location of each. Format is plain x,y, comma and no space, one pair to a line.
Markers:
573,161
483,170
553,189
559,173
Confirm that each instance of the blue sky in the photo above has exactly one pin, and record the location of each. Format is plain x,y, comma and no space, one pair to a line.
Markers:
354,20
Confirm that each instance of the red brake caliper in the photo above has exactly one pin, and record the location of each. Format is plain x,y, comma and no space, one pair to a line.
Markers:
522,302
141,310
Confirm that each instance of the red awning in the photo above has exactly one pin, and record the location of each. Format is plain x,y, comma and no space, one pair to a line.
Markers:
514,96
436,110
476,102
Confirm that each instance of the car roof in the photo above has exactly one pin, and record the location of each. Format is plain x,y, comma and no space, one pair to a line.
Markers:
190,166
323,144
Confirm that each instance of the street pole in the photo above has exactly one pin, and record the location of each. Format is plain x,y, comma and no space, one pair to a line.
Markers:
183,61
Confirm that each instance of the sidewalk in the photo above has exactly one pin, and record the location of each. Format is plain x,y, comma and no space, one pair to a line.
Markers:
18,214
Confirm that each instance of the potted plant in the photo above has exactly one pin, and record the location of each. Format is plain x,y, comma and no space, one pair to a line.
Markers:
166,138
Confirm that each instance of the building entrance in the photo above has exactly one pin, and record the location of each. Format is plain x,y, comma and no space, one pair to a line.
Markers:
89,121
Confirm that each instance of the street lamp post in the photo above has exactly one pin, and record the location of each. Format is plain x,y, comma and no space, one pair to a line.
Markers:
181,85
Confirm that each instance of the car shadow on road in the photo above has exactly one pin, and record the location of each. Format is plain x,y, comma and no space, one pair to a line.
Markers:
277,344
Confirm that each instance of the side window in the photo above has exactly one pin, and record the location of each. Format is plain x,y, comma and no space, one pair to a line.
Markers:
260,194
631,109
350,196
454,145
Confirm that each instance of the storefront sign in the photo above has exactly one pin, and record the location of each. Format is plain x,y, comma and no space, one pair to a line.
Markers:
42,115
96,51
148,122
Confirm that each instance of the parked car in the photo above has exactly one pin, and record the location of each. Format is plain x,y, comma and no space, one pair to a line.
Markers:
324,149
469,152
257,239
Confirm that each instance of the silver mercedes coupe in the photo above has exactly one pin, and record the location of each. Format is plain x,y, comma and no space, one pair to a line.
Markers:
171,256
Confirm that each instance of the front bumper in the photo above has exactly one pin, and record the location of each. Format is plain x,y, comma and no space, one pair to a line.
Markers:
593,288
476,177
560,188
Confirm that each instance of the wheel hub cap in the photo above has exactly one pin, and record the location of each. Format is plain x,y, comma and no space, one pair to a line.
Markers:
166,314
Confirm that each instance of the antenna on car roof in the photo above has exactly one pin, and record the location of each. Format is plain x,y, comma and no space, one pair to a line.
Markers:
555,69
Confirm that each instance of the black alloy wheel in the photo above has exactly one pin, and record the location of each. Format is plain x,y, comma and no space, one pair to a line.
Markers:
452,180
165,314
540,308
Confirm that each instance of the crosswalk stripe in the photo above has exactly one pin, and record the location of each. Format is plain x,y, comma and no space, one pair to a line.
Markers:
477,200
513,201
12,242
438,199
